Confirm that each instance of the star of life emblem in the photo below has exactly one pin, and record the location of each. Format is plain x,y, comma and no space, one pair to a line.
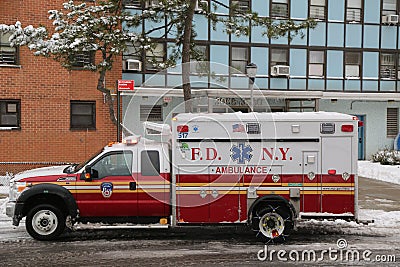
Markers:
241,153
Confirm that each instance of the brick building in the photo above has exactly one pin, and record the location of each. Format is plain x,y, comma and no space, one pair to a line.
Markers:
48,114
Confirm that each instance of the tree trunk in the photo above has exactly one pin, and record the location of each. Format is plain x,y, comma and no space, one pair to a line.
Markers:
108,97
187,39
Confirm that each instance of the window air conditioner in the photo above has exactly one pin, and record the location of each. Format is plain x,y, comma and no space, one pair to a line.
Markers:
390,19
133,65
280,70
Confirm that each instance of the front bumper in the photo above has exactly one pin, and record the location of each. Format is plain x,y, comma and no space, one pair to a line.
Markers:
10,209
14,210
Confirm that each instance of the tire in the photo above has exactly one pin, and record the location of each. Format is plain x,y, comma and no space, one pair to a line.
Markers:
45,222
272,222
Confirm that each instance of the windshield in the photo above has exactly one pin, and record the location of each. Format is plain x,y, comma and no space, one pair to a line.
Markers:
83,164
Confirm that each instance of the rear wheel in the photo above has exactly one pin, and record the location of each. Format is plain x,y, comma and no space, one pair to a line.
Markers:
45,222
272,222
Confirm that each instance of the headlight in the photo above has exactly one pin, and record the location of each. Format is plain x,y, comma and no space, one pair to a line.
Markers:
16,189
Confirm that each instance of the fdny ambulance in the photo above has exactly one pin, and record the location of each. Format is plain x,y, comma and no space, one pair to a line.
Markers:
266,170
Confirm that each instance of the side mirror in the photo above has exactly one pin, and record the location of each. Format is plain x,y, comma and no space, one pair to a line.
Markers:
88,173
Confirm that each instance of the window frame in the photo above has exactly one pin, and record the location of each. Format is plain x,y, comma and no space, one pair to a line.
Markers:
93,115
159,58
317,63
243,6
360,9
232,60
278,14
17,113
195,63
323,17
89,58
15,52
393,68
346,63
275,63
389,11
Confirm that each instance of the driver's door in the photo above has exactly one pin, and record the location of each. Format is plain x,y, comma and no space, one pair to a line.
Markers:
112,191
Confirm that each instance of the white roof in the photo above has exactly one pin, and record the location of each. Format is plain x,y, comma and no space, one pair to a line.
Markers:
275,116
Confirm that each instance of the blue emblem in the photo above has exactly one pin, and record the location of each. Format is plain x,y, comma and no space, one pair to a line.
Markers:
195,128
106,189
241,153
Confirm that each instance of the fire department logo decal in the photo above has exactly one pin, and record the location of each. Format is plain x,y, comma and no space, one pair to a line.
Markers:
106,189
241,153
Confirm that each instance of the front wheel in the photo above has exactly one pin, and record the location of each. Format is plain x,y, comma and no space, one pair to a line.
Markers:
272,223
45,222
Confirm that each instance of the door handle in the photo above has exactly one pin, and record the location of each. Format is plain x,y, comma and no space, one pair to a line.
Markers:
132,186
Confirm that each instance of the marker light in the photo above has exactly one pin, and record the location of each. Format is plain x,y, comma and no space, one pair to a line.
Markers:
331,172
131,140
347,128
182,128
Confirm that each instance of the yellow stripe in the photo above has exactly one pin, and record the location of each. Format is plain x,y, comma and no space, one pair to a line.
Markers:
84,191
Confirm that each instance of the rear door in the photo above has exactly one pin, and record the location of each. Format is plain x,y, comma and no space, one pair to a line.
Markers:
113,192
337,189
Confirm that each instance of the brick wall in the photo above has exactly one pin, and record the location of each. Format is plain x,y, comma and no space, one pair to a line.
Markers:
45,90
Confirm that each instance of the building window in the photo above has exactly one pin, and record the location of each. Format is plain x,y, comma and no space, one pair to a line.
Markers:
316,64
241,6
8,54
389,7
354,10
279,57
151,113
353,64
239,59
9,113
317,9
83,115
200,65
132,3
82,60
155,57
301,105
392,120
388,66
280,8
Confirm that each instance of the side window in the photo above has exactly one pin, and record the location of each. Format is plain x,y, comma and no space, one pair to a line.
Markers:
114,164
150,163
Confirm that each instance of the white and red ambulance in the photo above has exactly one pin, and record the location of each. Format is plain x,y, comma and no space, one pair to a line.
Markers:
262,169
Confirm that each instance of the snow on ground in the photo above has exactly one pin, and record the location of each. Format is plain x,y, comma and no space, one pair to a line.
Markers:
386,173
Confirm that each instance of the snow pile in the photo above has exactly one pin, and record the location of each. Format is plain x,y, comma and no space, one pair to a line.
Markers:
386,173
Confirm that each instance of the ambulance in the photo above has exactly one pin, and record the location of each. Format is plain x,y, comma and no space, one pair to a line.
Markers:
265,170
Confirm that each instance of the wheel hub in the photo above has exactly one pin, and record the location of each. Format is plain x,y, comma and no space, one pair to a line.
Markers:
271,225
44,222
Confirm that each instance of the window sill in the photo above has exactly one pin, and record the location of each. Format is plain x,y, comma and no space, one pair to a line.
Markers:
82,129
10,66
13,128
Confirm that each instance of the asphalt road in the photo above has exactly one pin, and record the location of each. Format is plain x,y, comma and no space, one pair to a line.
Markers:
210,246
